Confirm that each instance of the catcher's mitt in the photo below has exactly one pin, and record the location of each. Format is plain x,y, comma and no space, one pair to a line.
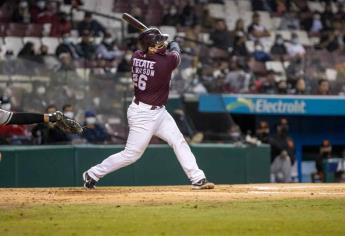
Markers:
66,124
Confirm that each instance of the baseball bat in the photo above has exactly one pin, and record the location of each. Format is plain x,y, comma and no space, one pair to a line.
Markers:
134,22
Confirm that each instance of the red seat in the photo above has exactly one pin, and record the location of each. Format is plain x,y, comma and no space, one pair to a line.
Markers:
34,30
16,29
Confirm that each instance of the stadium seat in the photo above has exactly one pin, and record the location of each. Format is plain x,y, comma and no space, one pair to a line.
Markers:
17,30
14,43
276,66
105,6
51,42
65,8
34,30
216,10
90,4
315,6
244,5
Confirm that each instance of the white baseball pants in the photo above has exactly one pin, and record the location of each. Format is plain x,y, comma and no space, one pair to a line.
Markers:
143,124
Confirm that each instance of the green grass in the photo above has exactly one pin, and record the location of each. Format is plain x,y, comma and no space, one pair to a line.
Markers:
283,217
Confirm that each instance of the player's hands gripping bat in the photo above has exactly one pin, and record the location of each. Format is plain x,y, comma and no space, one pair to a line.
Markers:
134,22
67,125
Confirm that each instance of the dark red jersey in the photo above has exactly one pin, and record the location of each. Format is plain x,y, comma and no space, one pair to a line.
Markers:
151,75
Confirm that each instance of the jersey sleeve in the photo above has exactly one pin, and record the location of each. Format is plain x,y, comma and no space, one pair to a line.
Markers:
174,58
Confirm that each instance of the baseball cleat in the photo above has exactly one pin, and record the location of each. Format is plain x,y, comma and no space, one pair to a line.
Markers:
203,184
89,182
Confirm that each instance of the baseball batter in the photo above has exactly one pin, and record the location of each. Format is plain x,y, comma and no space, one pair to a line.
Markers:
151,74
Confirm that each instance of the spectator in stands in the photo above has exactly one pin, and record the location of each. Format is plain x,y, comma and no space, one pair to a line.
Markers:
290,21
107,49
268,83
282,87
66,62
125,65
327,16
259,53
93,26
188,16
237,78
278,49
300,87
324,154
323,87
68,111
46,133
316,25
221,36
206,19
193,33
333,39
94,132
342,91
49,15
49,61
37,9
340,15
28,52
67,46
263,132
171,16
240,48
86,47
62,26
256,30
294,48
22,13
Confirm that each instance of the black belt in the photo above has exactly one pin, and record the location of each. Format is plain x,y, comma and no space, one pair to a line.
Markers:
136,101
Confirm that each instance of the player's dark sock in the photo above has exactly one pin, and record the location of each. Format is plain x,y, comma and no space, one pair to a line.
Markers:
26,118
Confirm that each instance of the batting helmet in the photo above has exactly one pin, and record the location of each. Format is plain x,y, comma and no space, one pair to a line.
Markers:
151,37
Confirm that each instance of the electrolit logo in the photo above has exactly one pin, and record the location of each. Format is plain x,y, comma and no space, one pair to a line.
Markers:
262,105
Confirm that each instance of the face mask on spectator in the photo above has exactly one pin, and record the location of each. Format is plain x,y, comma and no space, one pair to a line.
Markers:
173,11
6,106
69,114
23,4
90,120
108,40
128,57
317,17
41,90
67,40
41,4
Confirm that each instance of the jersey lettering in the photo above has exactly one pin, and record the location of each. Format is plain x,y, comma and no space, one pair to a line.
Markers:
141,69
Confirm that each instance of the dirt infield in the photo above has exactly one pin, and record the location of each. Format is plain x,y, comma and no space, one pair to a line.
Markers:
167,194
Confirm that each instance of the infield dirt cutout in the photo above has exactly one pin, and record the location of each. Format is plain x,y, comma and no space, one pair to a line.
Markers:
167,194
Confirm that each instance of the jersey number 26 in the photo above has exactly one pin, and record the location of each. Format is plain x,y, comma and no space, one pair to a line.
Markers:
140,81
